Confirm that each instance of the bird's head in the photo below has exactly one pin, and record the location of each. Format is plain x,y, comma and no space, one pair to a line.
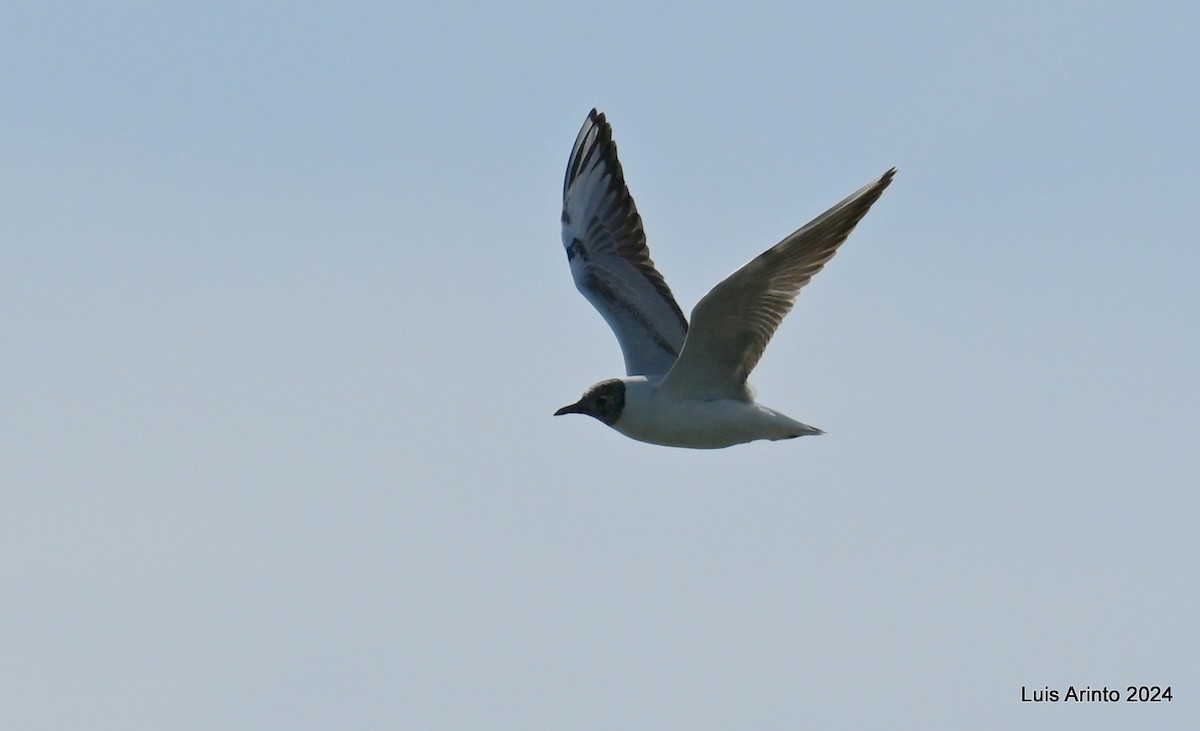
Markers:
603,401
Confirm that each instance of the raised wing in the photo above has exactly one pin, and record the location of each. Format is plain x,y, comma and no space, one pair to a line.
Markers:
606,247
732,324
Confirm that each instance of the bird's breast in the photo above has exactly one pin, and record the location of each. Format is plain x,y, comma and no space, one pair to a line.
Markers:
652,416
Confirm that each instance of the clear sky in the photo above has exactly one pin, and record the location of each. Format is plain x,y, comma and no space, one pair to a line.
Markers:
284,316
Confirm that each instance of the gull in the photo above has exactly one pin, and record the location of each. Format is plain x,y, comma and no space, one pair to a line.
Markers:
684,386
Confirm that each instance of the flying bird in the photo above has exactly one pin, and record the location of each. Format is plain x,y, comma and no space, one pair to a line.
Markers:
684,386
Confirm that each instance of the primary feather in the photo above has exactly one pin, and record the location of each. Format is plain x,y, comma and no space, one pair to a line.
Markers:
611,265
732,324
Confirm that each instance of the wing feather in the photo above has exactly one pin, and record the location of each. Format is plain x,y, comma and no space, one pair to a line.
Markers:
733,323
606,248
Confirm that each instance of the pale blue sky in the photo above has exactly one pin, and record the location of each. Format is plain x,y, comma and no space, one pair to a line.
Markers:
284,317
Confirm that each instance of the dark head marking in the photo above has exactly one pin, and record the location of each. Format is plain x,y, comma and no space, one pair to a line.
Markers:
604,401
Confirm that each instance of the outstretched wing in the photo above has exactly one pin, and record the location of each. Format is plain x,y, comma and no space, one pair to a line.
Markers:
732,324
606,247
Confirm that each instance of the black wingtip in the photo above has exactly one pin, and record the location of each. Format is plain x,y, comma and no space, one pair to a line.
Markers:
601,122
597,118
874,189
602,143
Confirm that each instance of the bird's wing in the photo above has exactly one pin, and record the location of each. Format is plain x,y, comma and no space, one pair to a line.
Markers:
606,247
732,324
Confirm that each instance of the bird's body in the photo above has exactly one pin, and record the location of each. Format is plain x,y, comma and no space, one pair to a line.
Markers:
685,386
653,415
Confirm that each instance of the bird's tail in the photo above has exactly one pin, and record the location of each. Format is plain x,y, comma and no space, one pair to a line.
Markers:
803,430
790,428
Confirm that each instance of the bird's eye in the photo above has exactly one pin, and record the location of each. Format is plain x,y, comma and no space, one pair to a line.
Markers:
602,401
